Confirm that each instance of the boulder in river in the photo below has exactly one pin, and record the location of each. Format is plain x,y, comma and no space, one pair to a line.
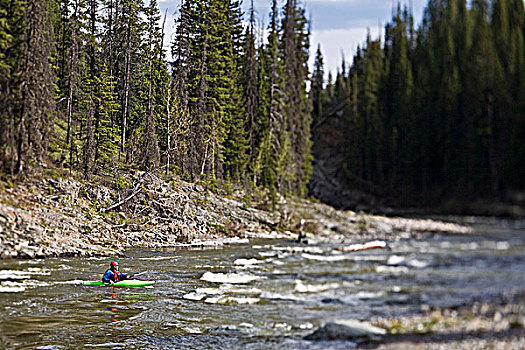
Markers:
346,330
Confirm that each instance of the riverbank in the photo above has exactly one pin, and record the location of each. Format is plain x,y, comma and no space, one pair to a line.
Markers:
495,324
59,216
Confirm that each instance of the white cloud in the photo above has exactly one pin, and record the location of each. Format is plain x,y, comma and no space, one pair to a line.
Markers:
338,42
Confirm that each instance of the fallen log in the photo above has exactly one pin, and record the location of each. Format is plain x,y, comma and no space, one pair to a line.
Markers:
137,188
366,246
116,205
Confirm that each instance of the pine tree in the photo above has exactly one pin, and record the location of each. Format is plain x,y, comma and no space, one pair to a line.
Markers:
250,84
372,118
107,132
516,152
72,28
341,88
317,86
36,105
89,100
201,130
163,102
177,127
11,26
128,31
352,151
150,153
397,97
275,107
112,22
217,132
295,51
507,28
261,163
487,79
237,142
5,37
462,42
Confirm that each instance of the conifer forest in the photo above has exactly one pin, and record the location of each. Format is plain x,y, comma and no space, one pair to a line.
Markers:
431,108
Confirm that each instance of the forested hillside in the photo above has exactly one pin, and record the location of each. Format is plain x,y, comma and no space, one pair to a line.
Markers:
432,111
86,86
427,111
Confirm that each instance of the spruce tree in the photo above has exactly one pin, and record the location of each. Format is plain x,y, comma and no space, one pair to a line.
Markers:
276,103
35,98
154,74
237,143
5,38
261,165
317,86
106,131
250,82
11,26
128,31
90,101
295,51
487,79
371,113
72,65
516,151
398,89
352,154
178,119
217,130
463,42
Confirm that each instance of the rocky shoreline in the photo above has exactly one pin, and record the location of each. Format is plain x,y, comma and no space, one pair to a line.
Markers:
66,217
498,323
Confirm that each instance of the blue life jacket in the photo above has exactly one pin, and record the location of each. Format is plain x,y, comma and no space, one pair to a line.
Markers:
110,275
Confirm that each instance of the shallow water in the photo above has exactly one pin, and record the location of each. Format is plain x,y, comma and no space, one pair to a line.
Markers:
267,294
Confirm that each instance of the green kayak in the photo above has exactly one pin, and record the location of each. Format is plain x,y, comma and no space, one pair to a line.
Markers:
125,283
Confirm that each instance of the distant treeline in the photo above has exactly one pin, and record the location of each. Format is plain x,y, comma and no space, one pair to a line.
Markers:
436,110
85,85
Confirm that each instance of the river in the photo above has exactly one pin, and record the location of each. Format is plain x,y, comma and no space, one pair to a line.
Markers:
264,295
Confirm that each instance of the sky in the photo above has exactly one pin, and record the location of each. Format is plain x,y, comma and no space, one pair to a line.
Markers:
339,26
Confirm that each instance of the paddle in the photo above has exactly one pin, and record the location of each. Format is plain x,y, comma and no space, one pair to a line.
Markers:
137,274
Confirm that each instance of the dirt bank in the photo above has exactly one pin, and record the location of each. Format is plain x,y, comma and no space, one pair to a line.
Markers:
67,217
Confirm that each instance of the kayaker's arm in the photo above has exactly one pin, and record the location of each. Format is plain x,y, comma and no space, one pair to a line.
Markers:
107,277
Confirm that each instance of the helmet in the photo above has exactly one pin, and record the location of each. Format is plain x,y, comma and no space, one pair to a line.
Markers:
114,264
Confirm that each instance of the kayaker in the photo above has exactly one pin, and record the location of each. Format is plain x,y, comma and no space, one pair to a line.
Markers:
113,275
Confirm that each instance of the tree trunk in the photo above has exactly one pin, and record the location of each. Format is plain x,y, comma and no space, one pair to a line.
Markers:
125,104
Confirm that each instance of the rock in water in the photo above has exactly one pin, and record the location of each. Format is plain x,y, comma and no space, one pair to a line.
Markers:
346,330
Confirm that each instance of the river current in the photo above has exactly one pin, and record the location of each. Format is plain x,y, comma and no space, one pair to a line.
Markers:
267,294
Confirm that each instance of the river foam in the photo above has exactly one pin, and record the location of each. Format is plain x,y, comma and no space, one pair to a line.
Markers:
233,278
247,262
14,275
223,299
309,288
11,289
329,258
17,281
